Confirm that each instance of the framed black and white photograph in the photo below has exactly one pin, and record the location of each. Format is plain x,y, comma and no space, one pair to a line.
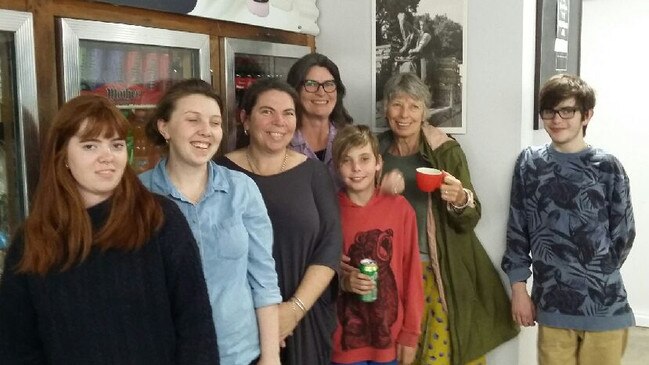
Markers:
558,35
428,38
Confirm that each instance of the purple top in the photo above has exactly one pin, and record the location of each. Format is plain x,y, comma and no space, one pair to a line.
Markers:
299,144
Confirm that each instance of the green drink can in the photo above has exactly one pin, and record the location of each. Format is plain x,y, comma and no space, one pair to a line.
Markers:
371,269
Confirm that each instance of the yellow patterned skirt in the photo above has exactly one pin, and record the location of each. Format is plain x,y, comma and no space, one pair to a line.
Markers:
434,343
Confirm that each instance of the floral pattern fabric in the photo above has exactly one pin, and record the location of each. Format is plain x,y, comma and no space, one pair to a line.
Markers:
572,212
434,346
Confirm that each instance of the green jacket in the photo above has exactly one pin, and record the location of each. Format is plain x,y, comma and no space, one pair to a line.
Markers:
479,309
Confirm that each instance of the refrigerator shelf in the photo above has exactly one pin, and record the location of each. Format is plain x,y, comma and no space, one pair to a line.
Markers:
136,106
129,64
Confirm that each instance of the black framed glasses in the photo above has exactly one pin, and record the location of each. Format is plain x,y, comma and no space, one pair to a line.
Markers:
564,113
312,86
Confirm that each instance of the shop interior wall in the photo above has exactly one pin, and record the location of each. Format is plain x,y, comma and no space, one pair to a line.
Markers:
46,12
500,75
499,79
613,61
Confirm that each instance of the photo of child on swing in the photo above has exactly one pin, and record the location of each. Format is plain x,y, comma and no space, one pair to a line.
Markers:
425,37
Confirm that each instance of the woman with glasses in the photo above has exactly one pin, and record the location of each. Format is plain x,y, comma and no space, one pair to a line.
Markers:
301,203
321,91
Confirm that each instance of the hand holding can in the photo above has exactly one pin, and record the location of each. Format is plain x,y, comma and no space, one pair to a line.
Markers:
369,268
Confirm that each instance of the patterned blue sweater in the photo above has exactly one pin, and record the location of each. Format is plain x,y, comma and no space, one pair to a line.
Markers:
571,219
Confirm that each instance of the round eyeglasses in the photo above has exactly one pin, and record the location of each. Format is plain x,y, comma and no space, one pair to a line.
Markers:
564,113
312,86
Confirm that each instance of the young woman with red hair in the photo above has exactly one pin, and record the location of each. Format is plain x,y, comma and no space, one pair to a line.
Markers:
102,271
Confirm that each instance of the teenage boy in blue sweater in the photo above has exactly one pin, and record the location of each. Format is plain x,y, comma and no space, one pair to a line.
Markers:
571,219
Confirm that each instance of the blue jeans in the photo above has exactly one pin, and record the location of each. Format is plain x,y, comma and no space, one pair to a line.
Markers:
393,362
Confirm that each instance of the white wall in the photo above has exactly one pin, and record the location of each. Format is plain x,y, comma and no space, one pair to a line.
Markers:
613,62
347,40
500,94
499,105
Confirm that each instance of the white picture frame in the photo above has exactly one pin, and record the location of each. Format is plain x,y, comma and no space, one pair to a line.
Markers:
446,69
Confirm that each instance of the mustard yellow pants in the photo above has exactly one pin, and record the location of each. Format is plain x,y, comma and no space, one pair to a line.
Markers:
434,344
560,346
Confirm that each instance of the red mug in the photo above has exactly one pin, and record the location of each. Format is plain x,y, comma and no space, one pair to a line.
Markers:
429,179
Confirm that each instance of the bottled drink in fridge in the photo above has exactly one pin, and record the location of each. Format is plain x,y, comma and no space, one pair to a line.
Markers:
164,68
91,60
133,68
114,67
151,70
140,143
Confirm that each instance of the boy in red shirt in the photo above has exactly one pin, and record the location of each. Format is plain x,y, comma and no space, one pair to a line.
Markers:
382,228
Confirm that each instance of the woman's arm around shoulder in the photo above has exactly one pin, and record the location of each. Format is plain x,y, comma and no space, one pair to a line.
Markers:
262,276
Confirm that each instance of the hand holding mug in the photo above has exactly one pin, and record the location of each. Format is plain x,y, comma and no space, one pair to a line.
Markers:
430,179
453,191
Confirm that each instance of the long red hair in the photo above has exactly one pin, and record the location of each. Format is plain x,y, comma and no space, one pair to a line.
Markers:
58,232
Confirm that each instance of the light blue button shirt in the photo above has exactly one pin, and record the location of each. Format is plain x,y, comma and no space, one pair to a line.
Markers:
234,236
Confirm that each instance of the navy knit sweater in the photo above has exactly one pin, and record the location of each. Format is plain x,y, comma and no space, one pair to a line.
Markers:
571,219
149,306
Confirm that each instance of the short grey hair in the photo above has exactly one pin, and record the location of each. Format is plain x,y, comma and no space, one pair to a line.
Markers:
409,84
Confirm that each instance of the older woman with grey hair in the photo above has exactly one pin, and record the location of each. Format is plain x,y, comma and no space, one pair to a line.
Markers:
467,309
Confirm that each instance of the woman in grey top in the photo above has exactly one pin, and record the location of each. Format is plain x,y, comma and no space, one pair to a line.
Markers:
302,205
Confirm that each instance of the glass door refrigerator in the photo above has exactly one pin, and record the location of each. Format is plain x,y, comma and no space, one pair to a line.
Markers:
18,121
245,62
133,66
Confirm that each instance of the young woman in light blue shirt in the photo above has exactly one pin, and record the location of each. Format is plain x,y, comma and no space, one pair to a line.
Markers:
227,215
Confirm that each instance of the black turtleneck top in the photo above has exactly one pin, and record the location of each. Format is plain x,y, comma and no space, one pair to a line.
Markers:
148,306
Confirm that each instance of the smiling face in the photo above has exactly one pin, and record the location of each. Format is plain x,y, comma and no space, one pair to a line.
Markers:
97,165
567,134
319,104
272,121
358,169
193,130
405,116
